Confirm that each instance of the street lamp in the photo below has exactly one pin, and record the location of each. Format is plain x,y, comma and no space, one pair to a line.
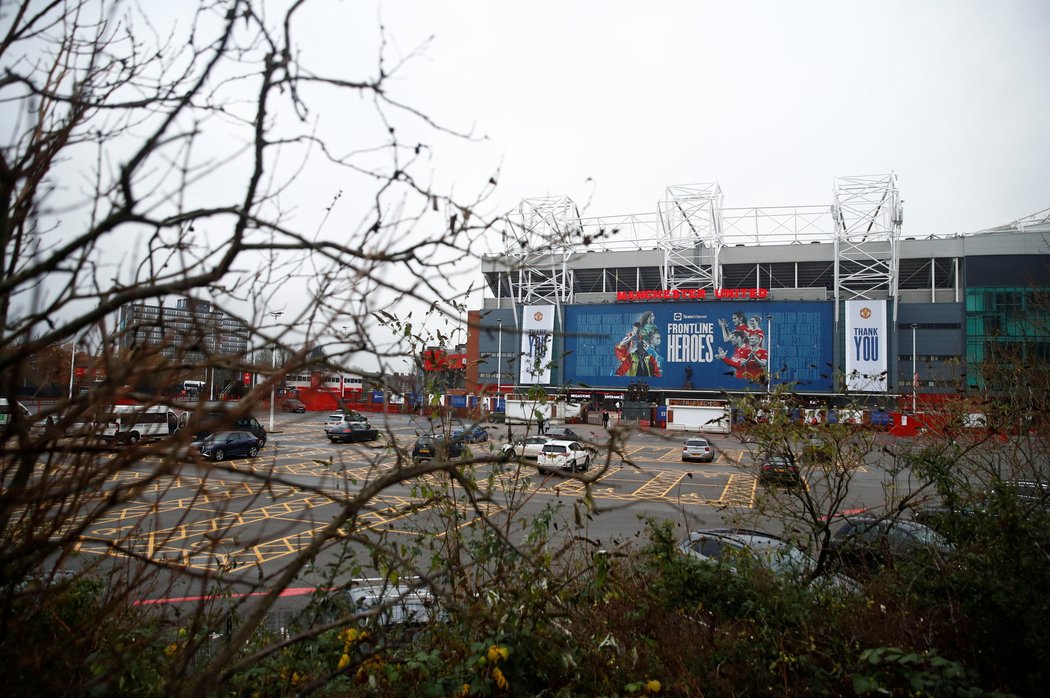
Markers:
499,360
273,364
914,371
72,366
769,353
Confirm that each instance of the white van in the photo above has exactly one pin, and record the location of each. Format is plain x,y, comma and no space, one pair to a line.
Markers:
6,411
134,422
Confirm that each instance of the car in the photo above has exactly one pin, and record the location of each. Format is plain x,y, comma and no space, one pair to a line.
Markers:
344,417
435,446
212,416
869,541
528,448
817,451
228,444
778,469
699,449
353,432
473,435
293,405
563,433
563,455
735,548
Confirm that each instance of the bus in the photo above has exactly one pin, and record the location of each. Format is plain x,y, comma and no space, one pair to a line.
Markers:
132,423
193,388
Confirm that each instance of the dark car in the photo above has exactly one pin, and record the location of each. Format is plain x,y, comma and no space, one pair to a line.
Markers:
293,405
562,434
778,469
228,444
869,541
352,432
215,416
472,435
434,446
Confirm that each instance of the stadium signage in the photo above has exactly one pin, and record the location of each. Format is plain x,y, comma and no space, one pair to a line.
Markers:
694,294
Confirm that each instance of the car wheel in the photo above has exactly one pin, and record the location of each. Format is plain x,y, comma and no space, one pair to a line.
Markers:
253,452
133,437
262,442
218,454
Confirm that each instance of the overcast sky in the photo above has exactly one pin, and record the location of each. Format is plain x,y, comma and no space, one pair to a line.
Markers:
610,102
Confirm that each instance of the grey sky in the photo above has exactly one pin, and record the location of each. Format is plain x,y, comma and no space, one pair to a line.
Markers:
771,99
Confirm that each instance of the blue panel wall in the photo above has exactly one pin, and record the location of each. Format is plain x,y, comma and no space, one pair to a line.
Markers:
684,345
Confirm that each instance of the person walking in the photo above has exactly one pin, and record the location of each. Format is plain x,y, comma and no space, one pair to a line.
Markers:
539,423
605,418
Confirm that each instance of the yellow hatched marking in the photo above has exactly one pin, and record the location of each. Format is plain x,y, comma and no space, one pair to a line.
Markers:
740,491
662,482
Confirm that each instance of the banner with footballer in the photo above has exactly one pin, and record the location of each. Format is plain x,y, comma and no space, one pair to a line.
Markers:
731,346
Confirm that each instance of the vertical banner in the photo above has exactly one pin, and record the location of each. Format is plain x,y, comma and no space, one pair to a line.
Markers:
866,365
537,332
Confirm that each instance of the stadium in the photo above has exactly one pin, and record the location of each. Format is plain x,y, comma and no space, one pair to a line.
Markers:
695,300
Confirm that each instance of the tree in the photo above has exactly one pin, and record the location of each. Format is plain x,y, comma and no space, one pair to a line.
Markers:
150,156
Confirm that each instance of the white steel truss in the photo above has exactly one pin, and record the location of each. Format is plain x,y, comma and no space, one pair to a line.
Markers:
691,218
544,232
868,214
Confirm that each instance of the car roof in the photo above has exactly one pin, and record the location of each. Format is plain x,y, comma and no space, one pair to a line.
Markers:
742,537
696,439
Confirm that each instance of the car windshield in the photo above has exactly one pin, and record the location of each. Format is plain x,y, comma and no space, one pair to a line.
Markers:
696,442
784,560
554,450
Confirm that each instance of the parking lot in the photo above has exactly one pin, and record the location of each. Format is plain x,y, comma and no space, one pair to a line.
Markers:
248,513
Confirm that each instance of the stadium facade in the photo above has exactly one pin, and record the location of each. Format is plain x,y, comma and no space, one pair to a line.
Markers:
698,300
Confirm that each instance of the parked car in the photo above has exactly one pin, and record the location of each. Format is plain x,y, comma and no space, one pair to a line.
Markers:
228,444
735,548
212,416
778,469
434,446
817,451
563,455
528,448
473,435
697,448
293,405
870,541
353,432
344,417
563,433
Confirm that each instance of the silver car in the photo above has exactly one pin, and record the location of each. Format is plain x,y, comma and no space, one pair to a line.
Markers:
337,419
699,449
736,548
529,449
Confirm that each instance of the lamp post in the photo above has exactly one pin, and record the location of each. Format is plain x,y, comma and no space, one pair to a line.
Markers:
769,353
914,371
273,364
72,366
499,360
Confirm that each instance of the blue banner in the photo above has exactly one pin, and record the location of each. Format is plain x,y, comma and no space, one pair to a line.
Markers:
700,345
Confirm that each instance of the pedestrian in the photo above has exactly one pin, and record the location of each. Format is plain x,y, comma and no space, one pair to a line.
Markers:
605,418
539,424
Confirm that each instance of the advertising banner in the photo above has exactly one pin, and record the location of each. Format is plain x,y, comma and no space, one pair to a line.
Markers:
537,330
866,364
701,345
